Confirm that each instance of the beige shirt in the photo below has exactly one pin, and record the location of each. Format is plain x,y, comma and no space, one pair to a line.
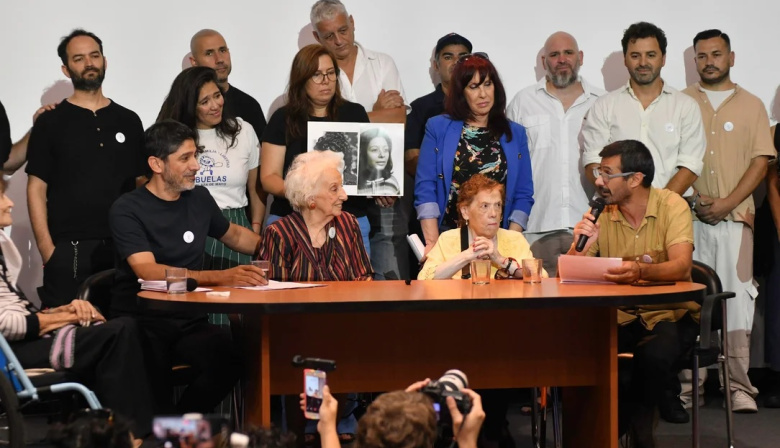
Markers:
670,127
737,132
667,222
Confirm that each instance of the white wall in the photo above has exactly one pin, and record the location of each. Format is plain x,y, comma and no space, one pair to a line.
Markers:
146,43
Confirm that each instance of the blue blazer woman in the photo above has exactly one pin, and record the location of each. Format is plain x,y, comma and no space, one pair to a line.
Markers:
437,157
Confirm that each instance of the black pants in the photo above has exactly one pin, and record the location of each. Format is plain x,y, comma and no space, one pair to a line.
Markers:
107,359
659,355
194,342
70,264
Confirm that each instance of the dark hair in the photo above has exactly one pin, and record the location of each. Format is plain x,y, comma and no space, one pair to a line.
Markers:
166,137
304,66
710,34
366,172
272,437
345,143
93,429
456,105
634,156
62,47
181,104
642,30
472,187
398,420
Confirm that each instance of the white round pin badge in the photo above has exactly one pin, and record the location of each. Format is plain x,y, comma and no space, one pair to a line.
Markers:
669,127
188,237
120,137
728,126
332,232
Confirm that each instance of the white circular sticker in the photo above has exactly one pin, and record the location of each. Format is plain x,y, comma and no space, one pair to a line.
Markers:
332,232
669,127
189,237
120,137
728,126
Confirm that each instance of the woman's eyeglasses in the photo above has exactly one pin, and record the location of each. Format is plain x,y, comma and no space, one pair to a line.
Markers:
478,54
319,77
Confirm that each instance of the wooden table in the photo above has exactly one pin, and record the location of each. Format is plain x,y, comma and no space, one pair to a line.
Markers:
386,335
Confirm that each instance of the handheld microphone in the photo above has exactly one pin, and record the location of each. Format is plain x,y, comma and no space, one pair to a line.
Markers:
597,205
192,284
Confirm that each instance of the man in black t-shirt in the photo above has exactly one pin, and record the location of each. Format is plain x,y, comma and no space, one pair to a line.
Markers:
81,157
165,224
209,49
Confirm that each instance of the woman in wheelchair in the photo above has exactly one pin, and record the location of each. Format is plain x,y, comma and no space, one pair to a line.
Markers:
74,338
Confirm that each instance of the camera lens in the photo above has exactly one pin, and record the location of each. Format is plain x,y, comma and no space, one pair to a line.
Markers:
454,380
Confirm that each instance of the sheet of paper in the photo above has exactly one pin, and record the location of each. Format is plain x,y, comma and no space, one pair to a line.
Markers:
160,285
574,269
273,285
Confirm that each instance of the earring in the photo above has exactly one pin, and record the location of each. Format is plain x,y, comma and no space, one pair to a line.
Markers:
467,223
312,205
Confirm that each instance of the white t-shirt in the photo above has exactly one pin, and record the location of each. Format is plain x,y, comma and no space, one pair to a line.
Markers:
717,97
224,170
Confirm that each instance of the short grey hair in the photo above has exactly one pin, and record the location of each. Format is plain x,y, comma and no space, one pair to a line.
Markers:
326,10
300,184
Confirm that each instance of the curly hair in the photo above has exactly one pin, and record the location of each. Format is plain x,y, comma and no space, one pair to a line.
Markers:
398,420
300,184
343,142
472,187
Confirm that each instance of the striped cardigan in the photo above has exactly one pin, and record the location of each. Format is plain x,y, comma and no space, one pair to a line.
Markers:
14,310
286,244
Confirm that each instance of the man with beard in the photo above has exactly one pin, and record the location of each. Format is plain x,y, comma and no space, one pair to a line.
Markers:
371,79
552,111
667,121
739,146
651,230
209,49
81,157
165,224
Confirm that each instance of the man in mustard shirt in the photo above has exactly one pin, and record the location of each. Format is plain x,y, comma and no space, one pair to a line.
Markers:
651,230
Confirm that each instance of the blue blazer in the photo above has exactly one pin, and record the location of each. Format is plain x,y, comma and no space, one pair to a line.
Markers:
437,157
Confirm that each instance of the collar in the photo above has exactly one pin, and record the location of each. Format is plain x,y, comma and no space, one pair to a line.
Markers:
587,88
667,89
701,89
363,53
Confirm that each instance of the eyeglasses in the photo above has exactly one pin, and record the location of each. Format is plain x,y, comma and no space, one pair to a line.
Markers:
479,54
319,77
606,177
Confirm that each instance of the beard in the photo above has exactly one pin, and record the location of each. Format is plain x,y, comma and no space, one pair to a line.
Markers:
563,80
177,183
722,74
87,84
644,78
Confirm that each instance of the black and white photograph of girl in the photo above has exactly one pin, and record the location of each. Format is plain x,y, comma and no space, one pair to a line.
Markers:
338,137
380,163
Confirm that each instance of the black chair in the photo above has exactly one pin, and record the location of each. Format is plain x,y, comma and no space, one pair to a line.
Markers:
706,351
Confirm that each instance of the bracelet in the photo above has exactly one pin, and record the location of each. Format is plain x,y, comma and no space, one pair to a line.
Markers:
509,264
695,198
639,266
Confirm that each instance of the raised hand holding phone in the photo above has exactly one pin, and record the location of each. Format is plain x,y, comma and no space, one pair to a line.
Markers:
314,382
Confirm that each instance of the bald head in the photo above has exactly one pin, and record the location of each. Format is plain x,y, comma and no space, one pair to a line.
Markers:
209,49
562,59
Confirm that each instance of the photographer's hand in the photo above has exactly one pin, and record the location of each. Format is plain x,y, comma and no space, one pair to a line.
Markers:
466,429
329,412
415,387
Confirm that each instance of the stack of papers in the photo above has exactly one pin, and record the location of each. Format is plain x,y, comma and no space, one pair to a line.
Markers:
580,269
273,285
160,285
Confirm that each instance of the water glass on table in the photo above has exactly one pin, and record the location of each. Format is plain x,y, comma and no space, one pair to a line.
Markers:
480,272
176,280
532,270
262,264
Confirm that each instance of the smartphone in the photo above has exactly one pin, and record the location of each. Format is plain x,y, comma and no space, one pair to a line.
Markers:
658,283
313,383
181,431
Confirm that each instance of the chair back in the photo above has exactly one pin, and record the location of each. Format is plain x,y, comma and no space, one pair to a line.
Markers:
701,273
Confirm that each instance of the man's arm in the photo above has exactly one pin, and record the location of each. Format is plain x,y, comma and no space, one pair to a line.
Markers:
18,155
595,135
681,181
256,204
36,205
394,115
715,210
678,268
146,267
241,239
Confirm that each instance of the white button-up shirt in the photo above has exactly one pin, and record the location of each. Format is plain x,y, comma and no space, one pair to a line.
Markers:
560,188
374,71
670,127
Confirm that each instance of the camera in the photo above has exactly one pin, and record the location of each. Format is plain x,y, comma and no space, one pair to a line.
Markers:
451,384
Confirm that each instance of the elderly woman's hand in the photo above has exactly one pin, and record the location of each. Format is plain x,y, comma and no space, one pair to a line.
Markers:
482,248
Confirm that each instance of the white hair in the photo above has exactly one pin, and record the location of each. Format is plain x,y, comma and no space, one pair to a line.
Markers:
326,10
300,184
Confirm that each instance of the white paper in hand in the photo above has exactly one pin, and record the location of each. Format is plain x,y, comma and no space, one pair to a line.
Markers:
579,269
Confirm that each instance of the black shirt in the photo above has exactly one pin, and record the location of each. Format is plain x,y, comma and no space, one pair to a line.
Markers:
246,107
174,231
5,136
87,159
423,108
276,133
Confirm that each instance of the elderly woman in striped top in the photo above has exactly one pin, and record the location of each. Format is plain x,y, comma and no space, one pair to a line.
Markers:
318,241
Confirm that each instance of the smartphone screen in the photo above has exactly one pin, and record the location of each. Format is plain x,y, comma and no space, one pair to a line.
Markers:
181,431
313,383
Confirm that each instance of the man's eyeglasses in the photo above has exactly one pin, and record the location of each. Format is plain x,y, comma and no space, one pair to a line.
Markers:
319,77
606,177
479,54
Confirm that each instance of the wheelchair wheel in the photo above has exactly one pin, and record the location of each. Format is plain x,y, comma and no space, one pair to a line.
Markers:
11,423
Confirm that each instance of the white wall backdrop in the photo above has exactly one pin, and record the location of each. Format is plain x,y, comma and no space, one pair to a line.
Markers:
146,44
